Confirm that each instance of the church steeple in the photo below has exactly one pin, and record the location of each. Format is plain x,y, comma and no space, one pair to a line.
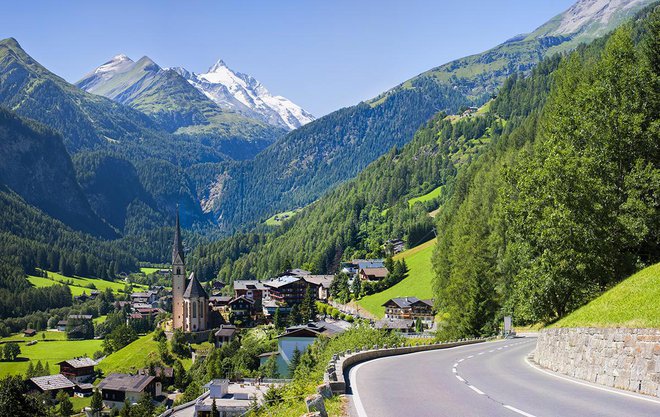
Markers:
177,247
178,276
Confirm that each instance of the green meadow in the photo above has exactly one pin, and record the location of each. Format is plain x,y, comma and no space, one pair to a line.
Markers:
416,284
634,302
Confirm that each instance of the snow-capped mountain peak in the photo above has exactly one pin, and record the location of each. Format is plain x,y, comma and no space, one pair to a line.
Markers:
118,63
244,94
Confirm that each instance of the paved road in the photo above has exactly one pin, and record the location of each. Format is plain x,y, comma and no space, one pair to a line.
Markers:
486,379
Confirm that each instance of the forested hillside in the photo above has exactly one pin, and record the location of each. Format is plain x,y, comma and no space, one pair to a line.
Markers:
312,160
567,204
357,218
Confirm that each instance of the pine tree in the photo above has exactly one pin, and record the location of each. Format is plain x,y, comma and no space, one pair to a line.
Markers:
214,409
65,405
39,369
97,403
126,409
295,361
29,373
294,316
278,320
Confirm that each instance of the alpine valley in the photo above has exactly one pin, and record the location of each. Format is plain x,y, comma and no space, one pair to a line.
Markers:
523,180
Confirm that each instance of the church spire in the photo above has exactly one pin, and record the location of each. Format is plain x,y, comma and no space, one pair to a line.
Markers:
177,247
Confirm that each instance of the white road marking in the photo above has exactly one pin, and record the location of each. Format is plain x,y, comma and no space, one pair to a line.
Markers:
477,390
515,410
359,408
491,351
499,348
459,378
460,360
453,370
456,364
470,357
481,353
586,384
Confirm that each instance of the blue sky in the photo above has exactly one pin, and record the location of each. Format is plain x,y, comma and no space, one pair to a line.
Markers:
323,55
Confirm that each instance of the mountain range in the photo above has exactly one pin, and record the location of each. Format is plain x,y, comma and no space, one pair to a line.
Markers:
307,162
181,99
216,143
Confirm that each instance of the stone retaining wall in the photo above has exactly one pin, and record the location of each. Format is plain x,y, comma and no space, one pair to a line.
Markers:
339,364
621,358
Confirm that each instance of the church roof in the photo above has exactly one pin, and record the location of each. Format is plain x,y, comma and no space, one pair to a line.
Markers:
177,247
194,289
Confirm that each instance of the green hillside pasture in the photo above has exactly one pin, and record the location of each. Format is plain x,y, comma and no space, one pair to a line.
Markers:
134,356
634,302
416,284
281,217
48,351
426,197
149,271
79,284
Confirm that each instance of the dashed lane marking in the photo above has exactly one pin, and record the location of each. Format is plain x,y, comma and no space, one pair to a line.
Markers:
515,410
459,378
477,390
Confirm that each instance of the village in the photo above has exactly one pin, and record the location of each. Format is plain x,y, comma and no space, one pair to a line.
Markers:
295,307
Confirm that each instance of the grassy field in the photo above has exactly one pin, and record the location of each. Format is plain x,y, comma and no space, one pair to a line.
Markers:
149,271
79,284
51,351
416,284
134,356
426,197
635,302
281,217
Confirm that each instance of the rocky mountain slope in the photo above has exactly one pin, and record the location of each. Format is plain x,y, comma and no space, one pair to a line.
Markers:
244,94
171,100
37,167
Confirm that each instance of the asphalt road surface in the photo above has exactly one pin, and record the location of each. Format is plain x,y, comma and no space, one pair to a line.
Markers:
487,379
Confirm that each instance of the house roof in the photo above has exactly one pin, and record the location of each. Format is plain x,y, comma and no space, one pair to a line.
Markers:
79,362
369,263
399,324
320,280
125,382
80,316
62,323
282,281
226,330
220,299
380,272
216,382
297,272
242,297
248,285
406,302
312,329
166,372
194,289
29,331
52,382
268,354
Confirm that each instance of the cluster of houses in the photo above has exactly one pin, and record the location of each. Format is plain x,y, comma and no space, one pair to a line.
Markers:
365,269
75,378
403,313
257,300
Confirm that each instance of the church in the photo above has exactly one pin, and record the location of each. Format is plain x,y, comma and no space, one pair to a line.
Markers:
190,302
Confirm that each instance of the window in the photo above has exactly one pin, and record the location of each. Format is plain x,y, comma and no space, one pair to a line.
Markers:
194,310
178,271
